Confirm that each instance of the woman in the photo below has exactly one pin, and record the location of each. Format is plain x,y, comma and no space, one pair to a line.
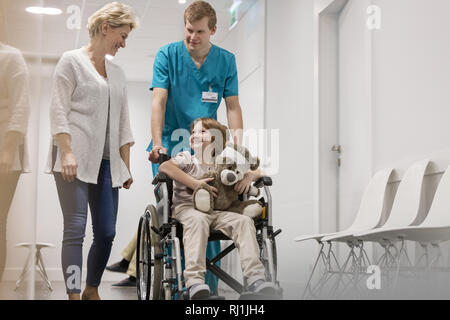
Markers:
14,114
92,137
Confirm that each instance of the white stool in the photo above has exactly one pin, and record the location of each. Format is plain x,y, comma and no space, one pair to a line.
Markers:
38,261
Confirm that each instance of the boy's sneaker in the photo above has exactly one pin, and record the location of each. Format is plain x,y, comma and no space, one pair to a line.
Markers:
199,291
263,287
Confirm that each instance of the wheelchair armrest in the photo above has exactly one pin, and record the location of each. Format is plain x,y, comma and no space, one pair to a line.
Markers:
263,181
160,177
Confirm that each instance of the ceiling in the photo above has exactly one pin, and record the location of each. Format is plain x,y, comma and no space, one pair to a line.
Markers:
161,22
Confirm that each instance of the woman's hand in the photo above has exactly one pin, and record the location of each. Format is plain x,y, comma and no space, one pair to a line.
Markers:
69,166
154,154
243,186
6,161
128,183
199,182
8,151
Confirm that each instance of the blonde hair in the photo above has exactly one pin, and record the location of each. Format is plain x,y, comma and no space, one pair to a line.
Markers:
116,14
198,10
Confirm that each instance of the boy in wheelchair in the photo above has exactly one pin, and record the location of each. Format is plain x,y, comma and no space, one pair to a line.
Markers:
186,170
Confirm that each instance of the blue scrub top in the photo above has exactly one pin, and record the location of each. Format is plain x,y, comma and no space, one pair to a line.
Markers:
175,71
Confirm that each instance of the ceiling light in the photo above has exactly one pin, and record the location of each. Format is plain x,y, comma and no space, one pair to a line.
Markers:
42,10
235,5
181,1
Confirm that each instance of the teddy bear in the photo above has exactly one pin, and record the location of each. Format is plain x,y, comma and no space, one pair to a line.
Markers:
229,168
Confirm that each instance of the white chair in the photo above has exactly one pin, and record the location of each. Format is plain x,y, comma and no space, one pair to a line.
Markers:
38,262
368,217
405,212
436,226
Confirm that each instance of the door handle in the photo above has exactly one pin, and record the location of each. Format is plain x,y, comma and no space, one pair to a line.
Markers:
337,148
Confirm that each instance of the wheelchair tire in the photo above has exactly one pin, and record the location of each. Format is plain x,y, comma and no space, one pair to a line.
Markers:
149,270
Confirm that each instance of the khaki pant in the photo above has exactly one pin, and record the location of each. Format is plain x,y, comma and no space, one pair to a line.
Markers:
129,254
239,228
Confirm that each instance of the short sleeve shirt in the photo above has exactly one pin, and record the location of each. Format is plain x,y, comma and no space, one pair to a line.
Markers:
192,166
175,71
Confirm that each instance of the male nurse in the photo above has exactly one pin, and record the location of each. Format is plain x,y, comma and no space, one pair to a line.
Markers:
190,79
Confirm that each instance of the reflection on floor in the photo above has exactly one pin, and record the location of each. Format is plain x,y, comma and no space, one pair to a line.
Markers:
107,292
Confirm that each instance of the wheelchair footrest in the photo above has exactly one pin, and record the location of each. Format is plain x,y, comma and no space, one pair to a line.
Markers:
276,233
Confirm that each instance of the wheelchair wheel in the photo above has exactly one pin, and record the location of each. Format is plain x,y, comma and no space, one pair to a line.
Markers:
149,262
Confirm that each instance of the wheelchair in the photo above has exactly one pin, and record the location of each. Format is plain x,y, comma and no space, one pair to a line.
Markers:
159,244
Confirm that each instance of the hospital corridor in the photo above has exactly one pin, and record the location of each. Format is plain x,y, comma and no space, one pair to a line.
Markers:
279,150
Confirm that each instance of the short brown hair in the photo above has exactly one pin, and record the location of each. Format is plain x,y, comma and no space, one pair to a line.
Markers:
209,123
198,10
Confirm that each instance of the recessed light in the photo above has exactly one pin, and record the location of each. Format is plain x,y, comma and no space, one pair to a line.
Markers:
181,1
42,10
235,5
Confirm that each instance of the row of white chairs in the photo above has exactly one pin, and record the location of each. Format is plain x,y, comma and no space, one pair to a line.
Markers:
403,223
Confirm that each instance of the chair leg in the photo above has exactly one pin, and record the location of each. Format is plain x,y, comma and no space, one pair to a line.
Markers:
360,264
331,254
439,256
343,271
399,262
25,270
326,260
324,278
42,272
319,256
363,264
423,256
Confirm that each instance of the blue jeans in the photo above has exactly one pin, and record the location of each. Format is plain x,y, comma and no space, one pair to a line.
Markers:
103,201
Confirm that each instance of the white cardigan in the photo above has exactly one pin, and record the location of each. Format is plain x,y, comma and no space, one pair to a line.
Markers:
79,108
14,101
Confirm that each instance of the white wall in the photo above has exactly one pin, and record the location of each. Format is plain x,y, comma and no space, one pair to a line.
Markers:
411,73
290,99
246,40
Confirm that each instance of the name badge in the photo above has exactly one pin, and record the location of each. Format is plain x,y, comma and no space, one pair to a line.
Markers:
210,97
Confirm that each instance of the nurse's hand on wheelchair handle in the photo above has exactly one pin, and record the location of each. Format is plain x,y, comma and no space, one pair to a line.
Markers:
154,154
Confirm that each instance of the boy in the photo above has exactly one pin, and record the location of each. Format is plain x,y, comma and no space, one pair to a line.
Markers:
186,171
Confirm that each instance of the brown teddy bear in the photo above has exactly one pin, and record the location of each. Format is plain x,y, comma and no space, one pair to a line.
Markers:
230,167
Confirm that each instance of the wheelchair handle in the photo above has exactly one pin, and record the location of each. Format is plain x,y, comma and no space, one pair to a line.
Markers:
163,157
